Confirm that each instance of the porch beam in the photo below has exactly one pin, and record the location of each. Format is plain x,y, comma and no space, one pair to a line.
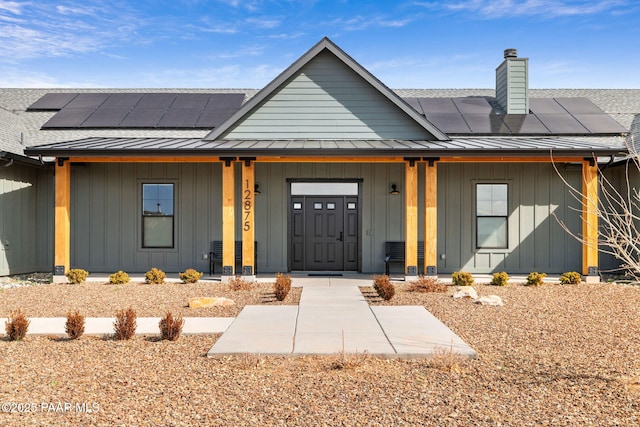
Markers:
507,159
228,219
431,219
590,218
248,215
325,159
62,255
411,219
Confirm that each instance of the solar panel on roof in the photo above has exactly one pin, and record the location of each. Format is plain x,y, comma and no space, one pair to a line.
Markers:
142,118
449,123
562,123
473,105
180,117
121,100
226,100
486,123
105,118
52,101
156,100
438,105
414,103
600,123
579,106
191,100
524,124
87,100
214,117
545,106
68,118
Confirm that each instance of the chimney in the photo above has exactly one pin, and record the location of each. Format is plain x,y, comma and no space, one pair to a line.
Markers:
512,83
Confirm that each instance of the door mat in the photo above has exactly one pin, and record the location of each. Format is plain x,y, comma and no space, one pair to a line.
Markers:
324,274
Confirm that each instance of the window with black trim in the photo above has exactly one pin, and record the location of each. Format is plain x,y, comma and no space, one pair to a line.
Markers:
492,212
158,215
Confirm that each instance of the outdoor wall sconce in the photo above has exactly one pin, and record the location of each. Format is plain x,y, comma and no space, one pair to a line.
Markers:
394,189
256,189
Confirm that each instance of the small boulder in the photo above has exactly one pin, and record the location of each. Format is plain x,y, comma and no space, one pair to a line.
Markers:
465,292
490,300
206,302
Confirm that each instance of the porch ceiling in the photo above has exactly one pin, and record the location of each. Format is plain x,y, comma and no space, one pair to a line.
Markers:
486,146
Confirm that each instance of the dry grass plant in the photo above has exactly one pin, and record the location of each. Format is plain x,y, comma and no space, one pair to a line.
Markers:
171,327
190,276
125,324
427,284
74,327
237,283
248,361
17,325
447,360
342,360
119,278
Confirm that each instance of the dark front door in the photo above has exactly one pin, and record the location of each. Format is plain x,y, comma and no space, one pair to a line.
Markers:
324,233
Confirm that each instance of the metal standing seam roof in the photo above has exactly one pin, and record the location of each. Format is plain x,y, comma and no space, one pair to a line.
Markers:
157,147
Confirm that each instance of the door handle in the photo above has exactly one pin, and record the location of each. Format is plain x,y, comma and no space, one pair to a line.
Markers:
340,238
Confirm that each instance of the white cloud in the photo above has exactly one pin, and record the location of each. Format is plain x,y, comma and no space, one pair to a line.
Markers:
545,8
11,7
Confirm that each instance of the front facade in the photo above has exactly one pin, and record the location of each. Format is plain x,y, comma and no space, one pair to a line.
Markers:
316,172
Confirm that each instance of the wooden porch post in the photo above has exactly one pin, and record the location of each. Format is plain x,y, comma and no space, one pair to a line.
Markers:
431,218
590,219
248,223
411,218
62,255
228,217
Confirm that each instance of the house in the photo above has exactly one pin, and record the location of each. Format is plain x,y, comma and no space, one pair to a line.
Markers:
319,169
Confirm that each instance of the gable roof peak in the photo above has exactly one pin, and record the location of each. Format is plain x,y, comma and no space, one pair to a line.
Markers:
324,44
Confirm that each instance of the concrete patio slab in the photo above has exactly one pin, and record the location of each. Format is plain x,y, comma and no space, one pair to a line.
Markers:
320,330
259,329
413,331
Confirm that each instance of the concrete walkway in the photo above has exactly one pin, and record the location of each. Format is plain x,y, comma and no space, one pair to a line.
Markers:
333,316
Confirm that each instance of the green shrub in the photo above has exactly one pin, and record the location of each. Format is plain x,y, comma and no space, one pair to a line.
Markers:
170,327
237,283
190,276
119,278
500,279
571,278
383,286
77,275
17,325
461,278
535,279
125,324
427,284
282,286
74,327
155,276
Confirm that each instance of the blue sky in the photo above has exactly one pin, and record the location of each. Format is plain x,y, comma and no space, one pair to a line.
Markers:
246,43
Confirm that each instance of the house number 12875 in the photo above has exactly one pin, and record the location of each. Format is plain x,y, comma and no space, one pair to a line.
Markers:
246,206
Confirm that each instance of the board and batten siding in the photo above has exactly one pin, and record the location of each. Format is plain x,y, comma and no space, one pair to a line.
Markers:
536,241
106,215
26,227
327,100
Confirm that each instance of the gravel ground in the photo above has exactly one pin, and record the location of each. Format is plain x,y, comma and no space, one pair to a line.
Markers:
552,355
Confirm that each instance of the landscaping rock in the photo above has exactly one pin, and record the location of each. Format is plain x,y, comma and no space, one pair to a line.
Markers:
490,300
465,292
206,302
